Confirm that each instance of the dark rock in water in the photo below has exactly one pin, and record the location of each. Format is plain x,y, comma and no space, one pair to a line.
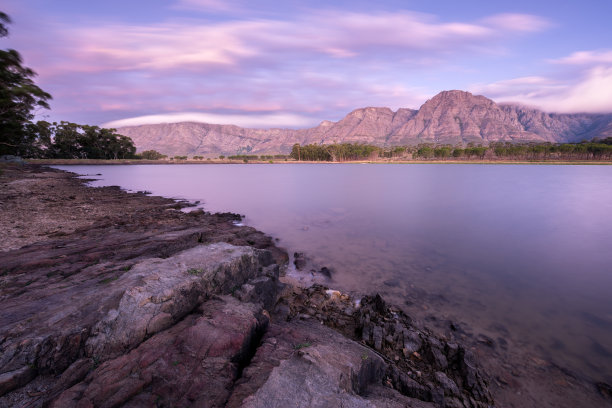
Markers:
379,304
605,390
600,349
391,282
486,340
299,260
325,271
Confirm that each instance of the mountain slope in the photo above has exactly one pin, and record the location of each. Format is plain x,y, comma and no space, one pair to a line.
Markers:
451,117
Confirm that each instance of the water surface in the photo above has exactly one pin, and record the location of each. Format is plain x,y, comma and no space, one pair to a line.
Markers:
519,252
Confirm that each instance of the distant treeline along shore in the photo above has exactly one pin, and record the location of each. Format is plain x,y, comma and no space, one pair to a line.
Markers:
599,150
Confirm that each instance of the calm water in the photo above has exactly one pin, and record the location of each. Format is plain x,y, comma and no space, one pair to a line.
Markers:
521,252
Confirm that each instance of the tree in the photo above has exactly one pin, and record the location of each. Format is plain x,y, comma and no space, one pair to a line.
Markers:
74,141
152,155
295,152
425,152
19,99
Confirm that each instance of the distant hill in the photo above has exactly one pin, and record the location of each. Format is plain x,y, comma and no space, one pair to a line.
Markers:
451,117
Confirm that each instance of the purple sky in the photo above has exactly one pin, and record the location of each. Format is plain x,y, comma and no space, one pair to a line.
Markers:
258,64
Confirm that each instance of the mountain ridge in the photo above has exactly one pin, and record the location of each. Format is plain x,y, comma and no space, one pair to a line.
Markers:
450,117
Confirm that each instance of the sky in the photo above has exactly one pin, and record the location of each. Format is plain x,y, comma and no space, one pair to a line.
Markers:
293,64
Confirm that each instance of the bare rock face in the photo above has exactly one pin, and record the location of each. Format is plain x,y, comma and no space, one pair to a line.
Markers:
98,320
314,366
450,117
194,363
162,291
456,117
417,367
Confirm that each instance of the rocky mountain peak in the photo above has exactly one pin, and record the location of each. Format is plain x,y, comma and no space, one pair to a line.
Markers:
369,111
455,98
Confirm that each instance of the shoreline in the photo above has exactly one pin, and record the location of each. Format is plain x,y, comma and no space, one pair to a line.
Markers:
111,215
63,162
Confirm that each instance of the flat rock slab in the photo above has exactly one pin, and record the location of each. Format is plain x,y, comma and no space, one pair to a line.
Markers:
194,363
92,318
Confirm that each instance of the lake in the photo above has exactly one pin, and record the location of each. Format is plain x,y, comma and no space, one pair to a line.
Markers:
521,252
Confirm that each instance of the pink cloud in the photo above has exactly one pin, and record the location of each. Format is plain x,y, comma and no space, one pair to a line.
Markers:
208,5
517,22
589,92
197,44
586,58
274,120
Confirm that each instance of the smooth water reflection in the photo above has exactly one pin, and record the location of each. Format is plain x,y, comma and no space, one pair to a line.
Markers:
521,252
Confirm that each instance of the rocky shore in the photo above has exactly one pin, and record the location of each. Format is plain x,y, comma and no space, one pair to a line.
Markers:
115,299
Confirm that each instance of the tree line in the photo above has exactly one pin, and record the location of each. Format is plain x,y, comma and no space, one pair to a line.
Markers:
594,150
587,150
334,152
68,140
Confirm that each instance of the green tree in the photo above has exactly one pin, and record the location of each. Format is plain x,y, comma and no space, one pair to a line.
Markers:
425,152
74,141
19,99
442,151
296,152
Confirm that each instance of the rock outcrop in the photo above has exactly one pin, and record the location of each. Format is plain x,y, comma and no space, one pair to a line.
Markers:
449,117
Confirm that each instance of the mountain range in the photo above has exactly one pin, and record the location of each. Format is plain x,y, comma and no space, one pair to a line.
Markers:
450,117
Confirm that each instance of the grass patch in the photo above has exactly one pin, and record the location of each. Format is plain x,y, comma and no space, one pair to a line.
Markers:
109,280
300,346
195,271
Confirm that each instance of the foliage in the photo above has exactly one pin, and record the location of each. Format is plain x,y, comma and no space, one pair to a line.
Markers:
152,155
68,140
391,152
475,151
425,152
19,99
334,152
300,346
595,150
443,151
243,157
